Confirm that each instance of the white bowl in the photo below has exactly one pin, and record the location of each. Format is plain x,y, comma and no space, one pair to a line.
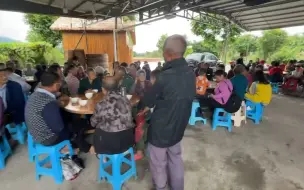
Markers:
83,102
89,95
74,100
95,90
129,97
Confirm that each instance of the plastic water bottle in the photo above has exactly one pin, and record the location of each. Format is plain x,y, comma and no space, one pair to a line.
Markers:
123,91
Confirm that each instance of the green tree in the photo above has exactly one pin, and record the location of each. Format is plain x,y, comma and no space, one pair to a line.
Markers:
203,46
40,29
215,27
245,44
161,42
271,41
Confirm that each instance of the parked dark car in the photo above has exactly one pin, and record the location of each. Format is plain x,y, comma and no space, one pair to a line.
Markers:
196,58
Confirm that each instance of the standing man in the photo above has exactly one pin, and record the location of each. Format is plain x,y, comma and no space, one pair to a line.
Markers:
172,95
240,61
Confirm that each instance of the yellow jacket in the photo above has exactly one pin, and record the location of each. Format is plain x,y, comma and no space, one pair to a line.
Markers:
260,93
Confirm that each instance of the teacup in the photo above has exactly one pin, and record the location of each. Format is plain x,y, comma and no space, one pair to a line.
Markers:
74,100
83,102
89,95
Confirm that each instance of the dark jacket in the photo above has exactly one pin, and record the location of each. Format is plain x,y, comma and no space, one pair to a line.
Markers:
18,72
172,96
15,101
85,85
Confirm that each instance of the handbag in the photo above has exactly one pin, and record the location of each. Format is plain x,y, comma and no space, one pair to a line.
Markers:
234,102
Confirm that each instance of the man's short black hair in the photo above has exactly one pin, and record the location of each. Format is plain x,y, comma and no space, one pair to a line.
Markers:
9,69
53,68
220,73
44,67
49,78
124,64
75,58
222,66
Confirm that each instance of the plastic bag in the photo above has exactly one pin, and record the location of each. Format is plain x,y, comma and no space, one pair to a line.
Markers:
70,169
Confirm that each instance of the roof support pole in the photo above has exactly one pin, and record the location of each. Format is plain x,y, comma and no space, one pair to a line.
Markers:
226,43
115,40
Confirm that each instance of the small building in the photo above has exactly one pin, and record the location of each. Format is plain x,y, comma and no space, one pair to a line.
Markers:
98,38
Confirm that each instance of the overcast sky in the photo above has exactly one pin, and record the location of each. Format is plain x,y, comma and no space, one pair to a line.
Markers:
12,25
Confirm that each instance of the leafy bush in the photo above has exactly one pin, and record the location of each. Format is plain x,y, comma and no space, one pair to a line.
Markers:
36,52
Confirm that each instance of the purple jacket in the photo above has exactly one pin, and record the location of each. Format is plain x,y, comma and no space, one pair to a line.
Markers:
223,91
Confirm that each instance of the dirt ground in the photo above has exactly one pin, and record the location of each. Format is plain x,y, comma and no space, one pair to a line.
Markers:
268,156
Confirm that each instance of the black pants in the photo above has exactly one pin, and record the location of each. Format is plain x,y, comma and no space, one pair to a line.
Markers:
76,128
209,103
7,134
113,142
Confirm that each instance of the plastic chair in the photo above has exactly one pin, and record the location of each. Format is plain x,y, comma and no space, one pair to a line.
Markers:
254,111
116,160
193,118
224,121
5,151
239,116
18,132
31,147
53,156
275,88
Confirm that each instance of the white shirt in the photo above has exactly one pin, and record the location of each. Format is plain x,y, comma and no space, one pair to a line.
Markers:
16,78
3,95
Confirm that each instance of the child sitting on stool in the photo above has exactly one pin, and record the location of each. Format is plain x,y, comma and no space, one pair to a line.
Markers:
202,82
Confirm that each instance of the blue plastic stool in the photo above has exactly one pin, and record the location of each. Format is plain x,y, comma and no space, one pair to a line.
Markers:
31,147
53,156
275,87
224,121
116,160
193,118
255,112
18,132
5,151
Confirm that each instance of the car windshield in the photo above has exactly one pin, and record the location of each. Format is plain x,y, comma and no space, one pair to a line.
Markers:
194,56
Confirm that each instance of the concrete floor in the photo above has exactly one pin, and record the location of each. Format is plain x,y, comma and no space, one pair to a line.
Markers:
268,156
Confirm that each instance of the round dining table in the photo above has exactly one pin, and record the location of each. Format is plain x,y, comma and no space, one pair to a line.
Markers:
89,108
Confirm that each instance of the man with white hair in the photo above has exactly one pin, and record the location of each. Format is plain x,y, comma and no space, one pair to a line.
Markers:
172,96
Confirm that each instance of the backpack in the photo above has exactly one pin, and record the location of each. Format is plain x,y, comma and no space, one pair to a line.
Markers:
234,102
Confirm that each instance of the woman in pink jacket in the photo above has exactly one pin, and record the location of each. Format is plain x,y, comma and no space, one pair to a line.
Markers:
221,94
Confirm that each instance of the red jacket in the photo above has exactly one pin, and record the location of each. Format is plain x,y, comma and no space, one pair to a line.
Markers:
275,70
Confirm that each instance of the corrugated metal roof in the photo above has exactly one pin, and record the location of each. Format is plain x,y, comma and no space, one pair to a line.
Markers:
274,14
77,24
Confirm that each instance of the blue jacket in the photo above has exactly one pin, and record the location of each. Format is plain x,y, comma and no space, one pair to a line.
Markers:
15,101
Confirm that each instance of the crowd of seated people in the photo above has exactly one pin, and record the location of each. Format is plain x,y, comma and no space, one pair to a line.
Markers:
12,103
247,82
90,82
